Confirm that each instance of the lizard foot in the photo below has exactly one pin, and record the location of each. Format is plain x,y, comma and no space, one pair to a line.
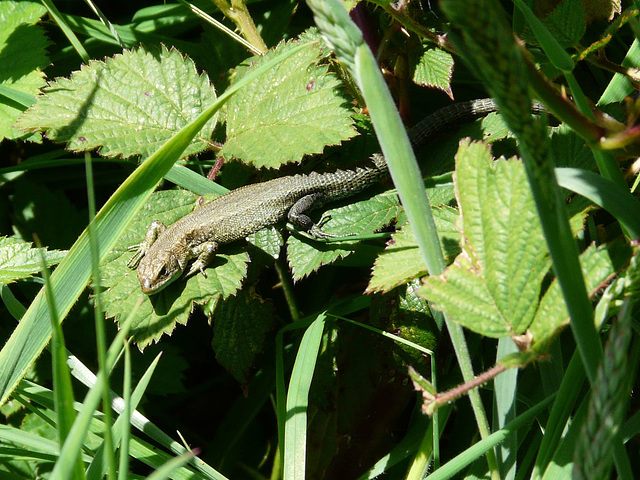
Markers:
197,266
317,233
134,261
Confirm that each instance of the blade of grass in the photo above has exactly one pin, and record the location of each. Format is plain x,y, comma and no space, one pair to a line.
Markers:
124,429
186,178
62,389
604,193
470,455
72,275
408,180
630,428
562,408
73,443
66,30
31,443
105,21
142,423
388,335
138,31
505,391
179,174
620,86
101,336
121,431
22,454
21,98
426,448
85,376
15,308
295,428
222,27
166,470
146,453
562,463
344,307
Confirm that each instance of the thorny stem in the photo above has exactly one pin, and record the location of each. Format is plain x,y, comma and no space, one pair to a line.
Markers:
403,18
603,62
450,395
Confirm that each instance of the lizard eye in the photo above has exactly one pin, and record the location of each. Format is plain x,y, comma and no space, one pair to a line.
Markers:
164,272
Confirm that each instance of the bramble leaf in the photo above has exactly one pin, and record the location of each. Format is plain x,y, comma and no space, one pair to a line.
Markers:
567,22
401,260
18,259
269,240
434,69
130,104
21,76
598,264
493,286
294,110
240,325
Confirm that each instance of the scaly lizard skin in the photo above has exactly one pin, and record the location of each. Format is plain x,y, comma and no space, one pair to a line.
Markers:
165,253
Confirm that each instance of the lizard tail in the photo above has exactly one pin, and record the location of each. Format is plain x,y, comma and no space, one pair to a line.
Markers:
454,115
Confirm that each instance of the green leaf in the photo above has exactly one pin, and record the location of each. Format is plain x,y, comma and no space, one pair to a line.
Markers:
569,150
269,240
168,469
412,320
439,157
129,104
567,23
240,325
368,216
620,85
21,67
160,313
599,264
295,110
493,286
19,260
401,261
434,69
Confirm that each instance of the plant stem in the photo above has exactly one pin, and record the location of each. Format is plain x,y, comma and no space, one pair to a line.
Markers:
238,13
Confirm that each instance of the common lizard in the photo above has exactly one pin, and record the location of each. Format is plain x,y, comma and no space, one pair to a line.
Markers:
165,252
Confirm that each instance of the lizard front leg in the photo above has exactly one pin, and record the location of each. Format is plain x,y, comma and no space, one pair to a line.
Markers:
153,232
204,252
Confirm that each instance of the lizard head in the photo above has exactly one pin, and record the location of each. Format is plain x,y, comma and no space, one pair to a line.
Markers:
158,270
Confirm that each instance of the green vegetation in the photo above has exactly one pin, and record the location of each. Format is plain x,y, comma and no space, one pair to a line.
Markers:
477,318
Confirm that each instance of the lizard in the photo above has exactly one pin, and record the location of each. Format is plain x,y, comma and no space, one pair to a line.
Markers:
164,254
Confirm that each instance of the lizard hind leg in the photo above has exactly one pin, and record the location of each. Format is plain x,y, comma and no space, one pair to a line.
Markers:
297,213
301,220
298,217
